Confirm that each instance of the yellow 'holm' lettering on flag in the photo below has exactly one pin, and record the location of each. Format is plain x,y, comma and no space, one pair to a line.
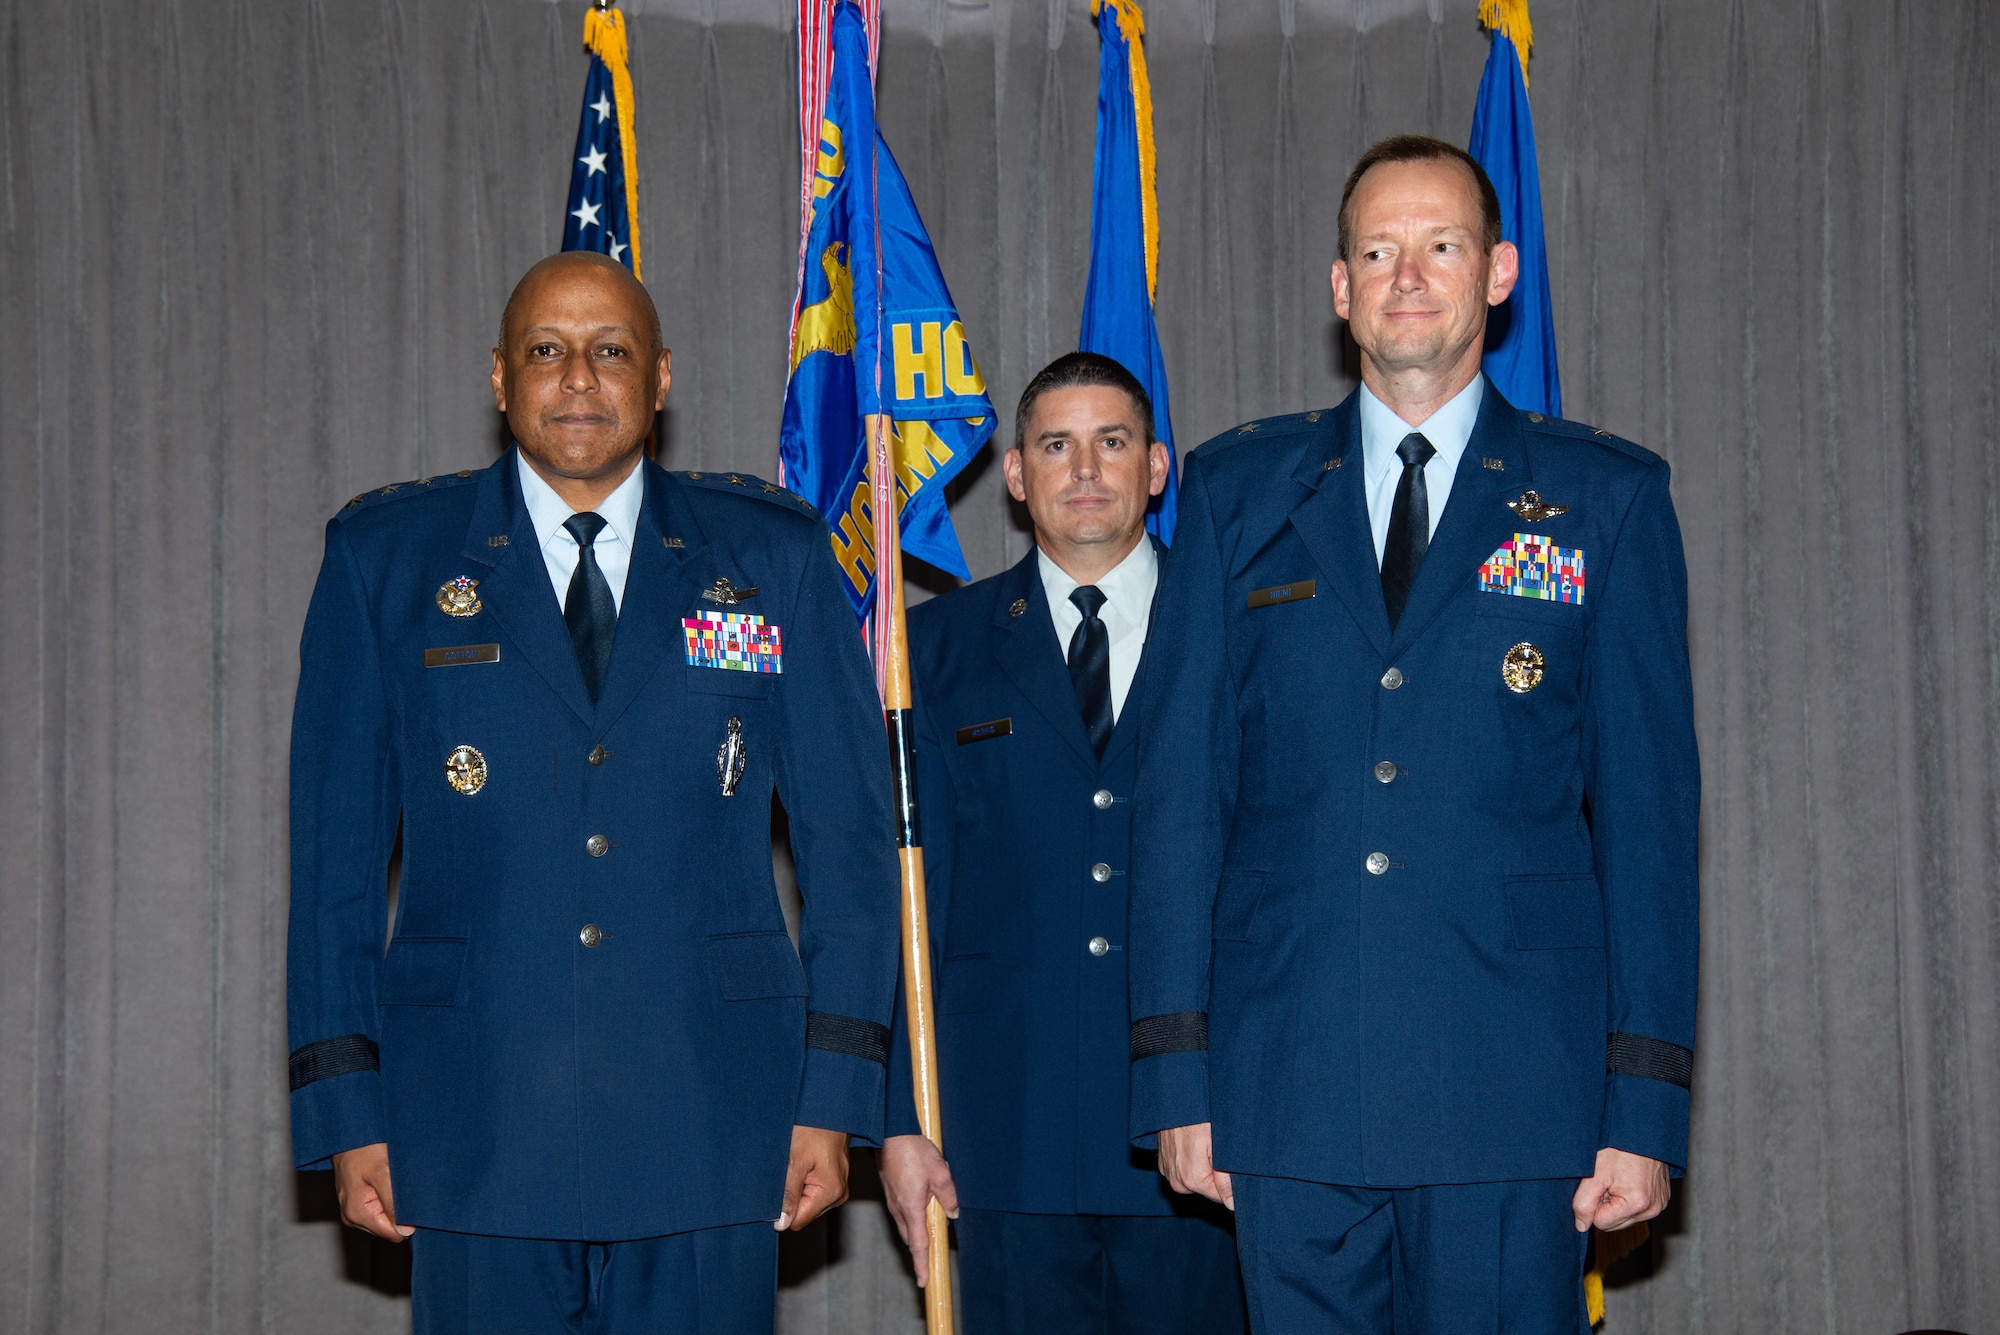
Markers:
831,162
918,452
940,356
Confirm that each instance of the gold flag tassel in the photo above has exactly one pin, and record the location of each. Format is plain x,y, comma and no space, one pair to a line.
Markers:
1607,1250
1132,26
604,37
1509,18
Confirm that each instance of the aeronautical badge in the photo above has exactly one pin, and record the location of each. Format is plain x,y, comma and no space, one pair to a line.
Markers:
1530,566
729,757
459,597
733,641
725,594
1521,668
465,770
1532,508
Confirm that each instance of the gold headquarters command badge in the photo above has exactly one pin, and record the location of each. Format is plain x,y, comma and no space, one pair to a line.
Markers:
465,770
459,597
1522,668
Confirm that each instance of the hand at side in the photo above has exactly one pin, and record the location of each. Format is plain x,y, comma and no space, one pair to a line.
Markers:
913,1172
816,1177
361,1180
1187,1161
1626,1189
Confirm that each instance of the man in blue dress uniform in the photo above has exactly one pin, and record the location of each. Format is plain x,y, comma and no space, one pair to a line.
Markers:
1414,940
1026,723
591,1070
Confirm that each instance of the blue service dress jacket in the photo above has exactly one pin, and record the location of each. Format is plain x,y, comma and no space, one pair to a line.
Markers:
1419,907
1027,840
590,1022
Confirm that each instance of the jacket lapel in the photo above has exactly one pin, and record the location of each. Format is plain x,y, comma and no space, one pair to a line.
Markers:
1332,521
1025,647
662,586
1476,518
516,588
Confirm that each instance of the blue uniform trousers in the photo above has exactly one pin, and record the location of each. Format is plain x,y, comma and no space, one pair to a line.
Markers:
1485,1258
712,1281
1097,1274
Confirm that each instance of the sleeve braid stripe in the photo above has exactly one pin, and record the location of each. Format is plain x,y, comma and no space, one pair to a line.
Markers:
333,1056
1158,1035
1649,1059
846,1034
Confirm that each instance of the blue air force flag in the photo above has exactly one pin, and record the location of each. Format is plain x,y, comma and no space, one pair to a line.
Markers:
1520,355
875,333
603,205
1125,232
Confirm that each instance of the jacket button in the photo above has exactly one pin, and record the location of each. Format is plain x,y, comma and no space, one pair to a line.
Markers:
1378,863
1101,799
590,935
1392,679
597,755
1099,946
597,845
1386,771
1101,872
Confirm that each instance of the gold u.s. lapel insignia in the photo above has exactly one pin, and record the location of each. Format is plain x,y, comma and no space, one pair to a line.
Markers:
1532,508
459,597
727,594
1521,668
465,770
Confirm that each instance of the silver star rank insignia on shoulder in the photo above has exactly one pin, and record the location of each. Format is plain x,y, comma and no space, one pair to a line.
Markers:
1534,509
726,594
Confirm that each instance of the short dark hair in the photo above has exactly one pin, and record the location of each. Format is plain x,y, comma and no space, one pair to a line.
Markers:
1421,148
1073,370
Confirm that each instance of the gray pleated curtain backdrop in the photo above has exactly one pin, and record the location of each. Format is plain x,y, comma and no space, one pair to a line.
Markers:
252,253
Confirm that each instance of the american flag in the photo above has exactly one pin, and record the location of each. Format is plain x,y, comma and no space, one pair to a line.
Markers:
602,212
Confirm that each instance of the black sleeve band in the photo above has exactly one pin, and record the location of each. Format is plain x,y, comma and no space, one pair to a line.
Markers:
1158,1035
1649,1059
844,1033
333,1056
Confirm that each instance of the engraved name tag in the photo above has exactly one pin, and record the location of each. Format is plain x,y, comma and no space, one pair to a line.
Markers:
462,653
982,732
1285,593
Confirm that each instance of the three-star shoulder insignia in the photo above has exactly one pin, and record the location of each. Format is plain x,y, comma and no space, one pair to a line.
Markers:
401,490
757,486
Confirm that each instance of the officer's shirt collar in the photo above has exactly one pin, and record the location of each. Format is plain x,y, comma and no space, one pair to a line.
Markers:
620,512
1448,430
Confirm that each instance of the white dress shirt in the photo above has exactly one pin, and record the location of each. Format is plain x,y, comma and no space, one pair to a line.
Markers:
620,513
1128,607
1448,429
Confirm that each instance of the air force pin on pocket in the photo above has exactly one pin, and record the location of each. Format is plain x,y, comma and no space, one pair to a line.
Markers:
1530,566
733,641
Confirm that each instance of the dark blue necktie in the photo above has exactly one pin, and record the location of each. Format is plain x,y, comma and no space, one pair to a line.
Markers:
589,611
1409,526
1090,666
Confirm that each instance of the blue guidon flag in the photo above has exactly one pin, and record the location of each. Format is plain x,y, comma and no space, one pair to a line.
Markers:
875,333
1125,231
602,212
1520,355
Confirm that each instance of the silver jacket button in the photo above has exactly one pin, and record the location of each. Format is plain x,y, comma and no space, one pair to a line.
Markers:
1101,799
597,845
590,935
1099,946
1378,863
1101,872
1386,771
1392,679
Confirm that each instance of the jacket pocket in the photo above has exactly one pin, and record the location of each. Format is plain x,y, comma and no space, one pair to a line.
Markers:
1236,900
751,966
965,983
422,971
1562,911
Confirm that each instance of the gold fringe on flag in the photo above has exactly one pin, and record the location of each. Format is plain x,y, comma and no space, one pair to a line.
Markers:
1132,24
1509,18
1608,1250
604,37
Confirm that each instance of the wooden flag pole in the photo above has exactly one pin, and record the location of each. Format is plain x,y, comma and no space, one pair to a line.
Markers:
917,1004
